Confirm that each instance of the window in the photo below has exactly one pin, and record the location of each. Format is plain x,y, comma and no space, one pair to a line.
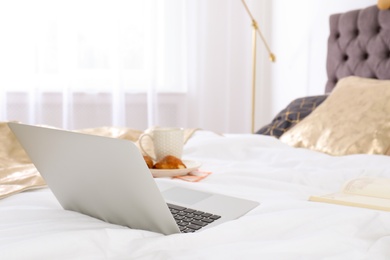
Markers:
91,46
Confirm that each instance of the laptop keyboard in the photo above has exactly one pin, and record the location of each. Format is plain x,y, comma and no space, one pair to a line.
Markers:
191,220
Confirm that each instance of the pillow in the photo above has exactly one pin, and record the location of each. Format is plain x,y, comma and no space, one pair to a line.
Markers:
297,110
354,119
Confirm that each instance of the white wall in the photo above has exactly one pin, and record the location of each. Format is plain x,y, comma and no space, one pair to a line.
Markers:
297,32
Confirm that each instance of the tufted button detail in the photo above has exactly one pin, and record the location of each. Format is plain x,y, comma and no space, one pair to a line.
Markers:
364,50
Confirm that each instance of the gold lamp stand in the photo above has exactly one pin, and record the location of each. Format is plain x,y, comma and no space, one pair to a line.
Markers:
272,58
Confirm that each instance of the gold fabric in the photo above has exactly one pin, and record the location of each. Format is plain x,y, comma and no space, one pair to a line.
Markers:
354,119
18,174
383,4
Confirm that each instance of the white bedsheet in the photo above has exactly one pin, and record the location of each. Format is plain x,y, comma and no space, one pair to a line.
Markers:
261,168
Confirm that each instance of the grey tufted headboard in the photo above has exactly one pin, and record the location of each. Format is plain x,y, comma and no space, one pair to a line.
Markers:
358,44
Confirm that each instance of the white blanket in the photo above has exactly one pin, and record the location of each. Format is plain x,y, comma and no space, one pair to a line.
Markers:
285,225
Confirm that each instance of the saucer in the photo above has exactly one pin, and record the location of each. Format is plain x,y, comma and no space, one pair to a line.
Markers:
191,166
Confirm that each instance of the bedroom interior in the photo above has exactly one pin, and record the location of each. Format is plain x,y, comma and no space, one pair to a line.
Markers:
317,165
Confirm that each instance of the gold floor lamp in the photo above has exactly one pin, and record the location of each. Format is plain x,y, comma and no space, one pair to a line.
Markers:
256,31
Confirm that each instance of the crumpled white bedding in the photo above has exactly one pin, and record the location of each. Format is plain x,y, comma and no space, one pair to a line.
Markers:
261,168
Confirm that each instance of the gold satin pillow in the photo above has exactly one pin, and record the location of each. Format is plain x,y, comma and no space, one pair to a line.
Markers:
354,119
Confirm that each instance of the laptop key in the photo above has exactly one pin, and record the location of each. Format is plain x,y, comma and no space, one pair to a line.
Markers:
193,226
207,220
188,219
177,217
215,217
199,223
174,211
180,208
182,228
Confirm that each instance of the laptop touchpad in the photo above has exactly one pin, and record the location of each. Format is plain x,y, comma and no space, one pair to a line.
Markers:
186,196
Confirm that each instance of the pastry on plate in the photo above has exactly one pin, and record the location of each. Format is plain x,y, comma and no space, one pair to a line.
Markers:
169,162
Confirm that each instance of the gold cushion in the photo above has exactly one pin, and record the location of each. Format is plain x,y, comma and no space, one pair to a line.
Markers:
354,119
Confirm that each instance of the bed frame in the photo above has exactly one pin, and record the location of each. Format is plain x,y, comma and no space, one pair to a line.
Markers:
359,45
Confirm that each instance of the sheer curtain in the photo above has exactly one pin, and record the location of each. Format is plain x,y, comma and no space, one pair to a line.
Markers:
132,63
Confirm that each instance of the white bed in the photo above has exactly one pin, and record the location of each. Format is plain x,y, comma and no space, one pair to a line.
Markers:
281,174
285,225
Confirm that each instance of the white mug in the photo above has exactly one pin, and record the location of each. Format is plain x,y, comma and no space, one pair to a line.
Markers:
166,141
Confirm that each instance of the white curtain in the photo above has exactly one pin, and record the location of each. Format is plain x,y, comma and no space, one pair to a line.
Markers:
133,63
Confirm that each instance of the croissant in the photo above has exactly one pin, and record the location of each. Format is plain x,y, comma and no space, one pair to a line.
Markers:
169,162
149,161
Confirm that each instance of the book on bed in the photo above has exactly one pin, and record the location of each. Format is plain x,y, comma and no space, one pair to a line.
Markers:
366,192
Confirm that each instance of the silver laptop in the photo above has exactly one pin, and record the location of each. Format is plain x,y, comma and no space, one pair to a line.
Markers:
107,178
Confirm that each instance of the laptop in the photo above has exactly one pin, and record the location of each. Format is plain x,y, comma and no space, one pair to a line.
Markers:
108,179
